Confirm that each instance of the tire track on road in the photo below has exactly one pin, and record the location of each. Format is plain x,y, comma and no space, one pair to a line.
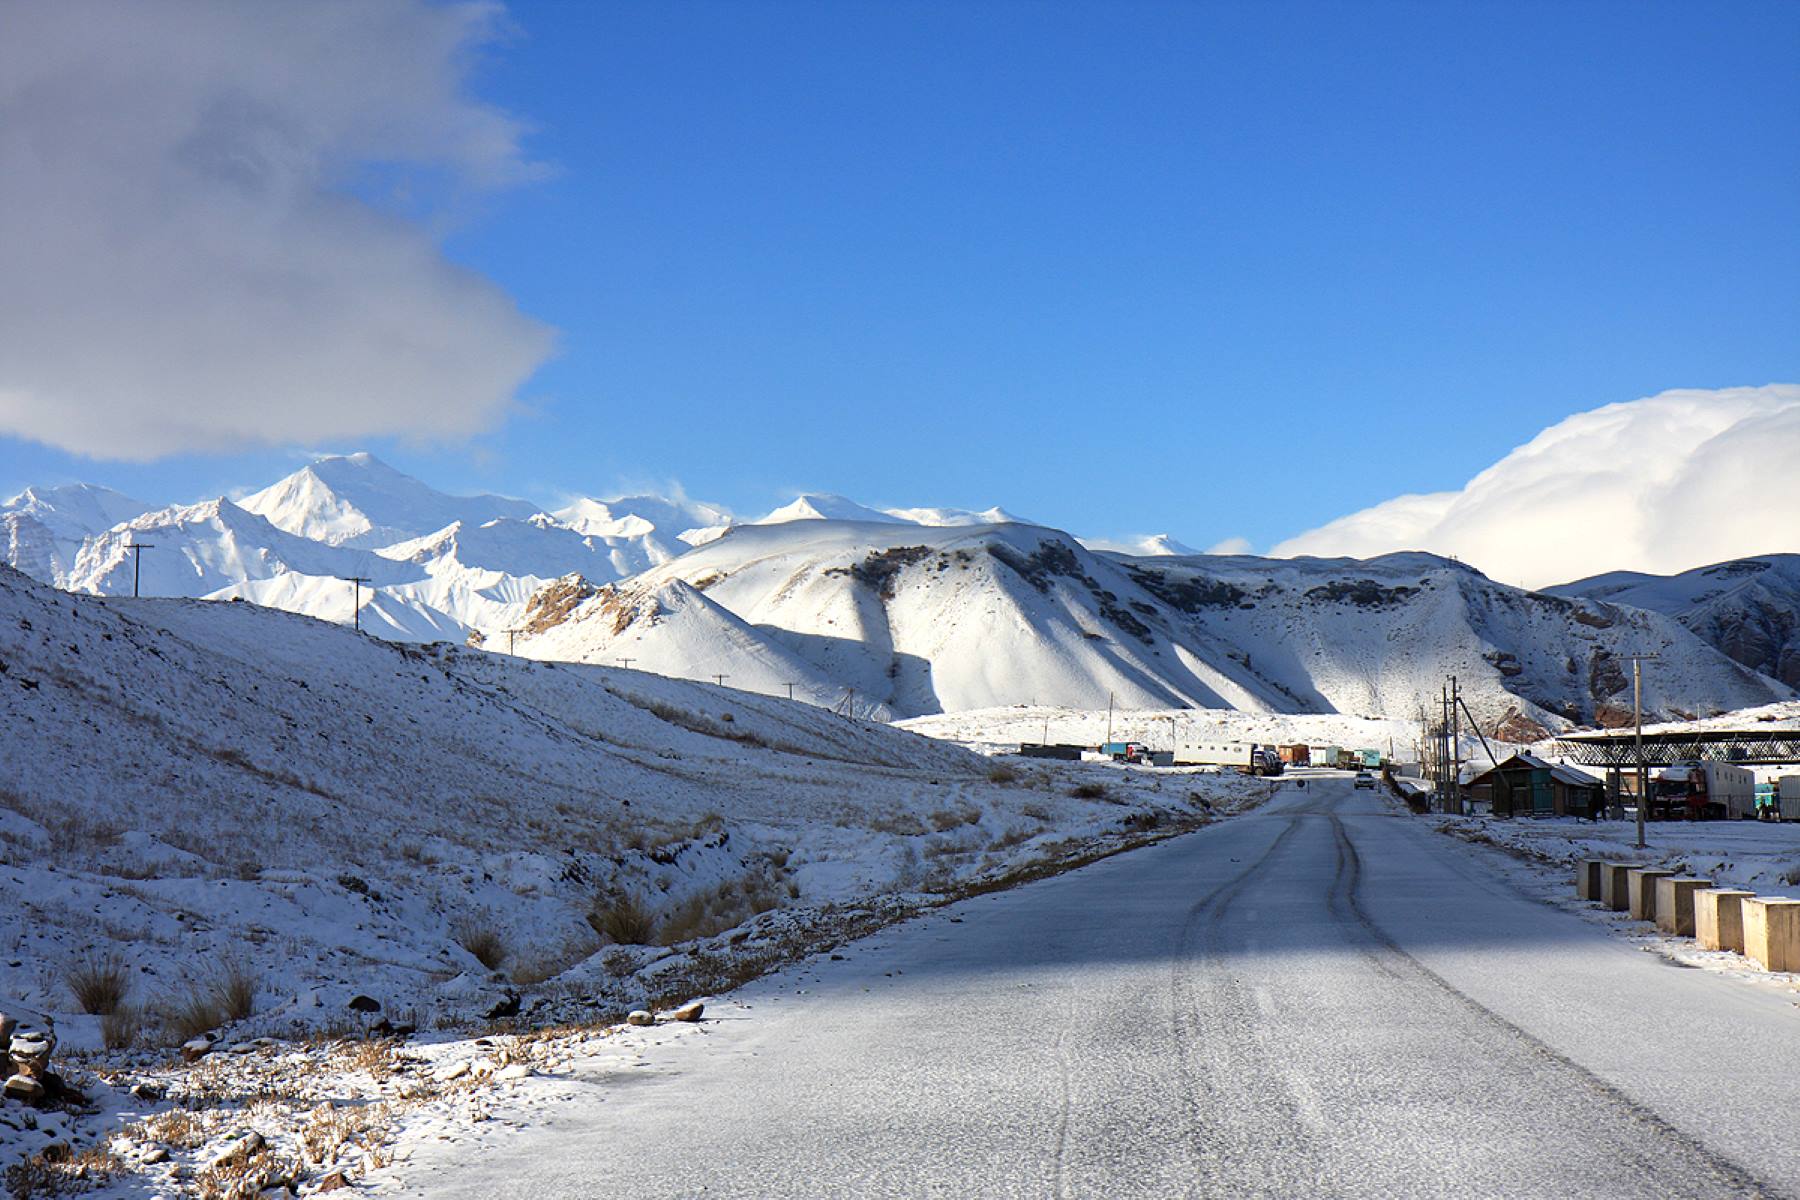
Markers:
1390,957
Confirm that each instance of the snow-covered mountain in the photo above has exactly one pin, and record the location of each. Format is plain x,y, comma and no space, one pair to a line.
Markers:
42,529
1749,608
922,620
905,612
200,548
823,506
358,500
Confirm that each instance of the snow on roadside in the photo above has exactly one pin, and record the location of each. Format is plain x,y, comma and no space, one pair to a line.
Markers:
1542,854
236,808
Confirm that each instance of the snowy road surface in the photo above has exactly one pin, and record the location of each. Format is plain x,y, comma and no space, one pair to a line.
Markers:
1318,998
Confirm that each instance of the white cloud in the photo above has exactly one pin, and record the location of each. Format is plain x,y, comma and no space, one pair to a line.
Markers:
1231,545
1663,484
184,264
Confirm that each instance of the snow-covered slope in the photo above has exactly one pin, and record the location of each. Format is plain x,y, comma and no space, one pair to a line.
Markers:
201,548
187,784
42,529
821,506
925,620
1380,636
665,526
1749,608
358,500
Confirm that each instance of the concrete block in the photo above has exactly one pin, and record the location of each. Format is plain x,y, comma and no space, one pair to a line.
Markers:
1641,891
1719,918
1675,904
1615,878
1587,878
1772,932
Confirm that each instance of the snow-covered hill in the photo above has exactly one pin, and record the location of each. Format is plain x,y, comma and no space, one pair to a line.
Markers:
227,782
1748,608
925,620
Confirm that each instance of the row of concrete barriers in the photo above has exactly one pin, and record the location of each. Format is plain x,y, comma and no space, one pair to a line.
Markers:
1764,929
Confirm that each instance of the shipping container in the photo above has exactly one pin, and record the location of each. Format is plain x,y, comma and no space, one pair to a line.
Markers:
1787,792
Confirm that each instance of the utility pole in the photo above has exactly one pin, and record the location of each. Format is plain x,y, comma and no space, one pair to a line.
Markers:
1637,720
356,601
1109,708
510,634
1449,775
720,679
626,662
137,560
1455,745
790,688
1489,750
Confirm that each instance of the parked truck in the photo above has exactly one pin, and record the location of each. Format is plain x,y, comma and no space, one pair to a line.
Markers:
1138,752
1704,790
1263,761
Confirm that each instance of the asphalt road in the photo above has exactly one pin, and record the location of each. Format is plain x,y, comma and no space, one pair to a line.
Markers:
1320,998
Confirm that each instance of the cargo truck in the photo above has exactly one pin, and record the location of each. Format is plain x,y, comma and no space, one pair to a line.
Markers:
1698,791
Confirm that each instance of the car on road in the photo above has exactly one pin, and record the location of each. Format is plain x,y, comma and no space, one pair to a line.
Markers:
1364,780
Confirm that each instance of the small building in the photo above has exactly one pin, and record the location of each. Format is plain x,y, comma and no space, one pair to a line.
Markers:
1297,755
1527,786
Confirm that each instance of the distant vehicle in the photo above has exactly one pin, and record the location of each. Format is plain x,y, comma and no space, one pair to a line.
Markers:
1364,780
1699,791
1263,762
1137,752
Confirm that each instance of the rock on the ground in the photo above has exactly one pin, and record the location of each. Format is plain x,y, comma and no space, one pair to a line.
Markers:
640,1017
688,1012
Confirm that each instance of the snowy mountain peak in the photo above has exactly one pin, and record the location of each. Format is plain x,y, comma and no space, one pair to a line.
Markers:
824,506
358,500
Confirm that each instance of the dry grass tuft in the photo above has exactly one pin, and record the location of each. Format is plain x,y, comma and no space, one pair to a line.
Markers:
54,1171
121,1028
100,983
1002,773
622,919
481,939
1088,791
233,990
189,1015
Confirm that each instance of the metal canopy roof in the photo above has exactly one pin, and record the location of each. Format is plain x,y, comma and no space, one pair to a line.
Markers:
1617,749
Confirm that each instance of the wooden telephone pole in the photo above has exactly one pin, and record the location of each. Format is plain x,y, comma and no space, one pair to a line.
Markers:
137,561
1637,719
356,602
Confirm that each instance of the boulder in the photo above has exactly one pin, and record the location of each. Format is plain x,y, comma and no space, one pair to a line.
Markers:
25,1088
688,1012
640,1017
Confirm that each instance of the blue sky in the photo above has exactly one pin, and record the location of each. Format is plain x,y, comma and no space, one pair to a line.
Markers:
1216,269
